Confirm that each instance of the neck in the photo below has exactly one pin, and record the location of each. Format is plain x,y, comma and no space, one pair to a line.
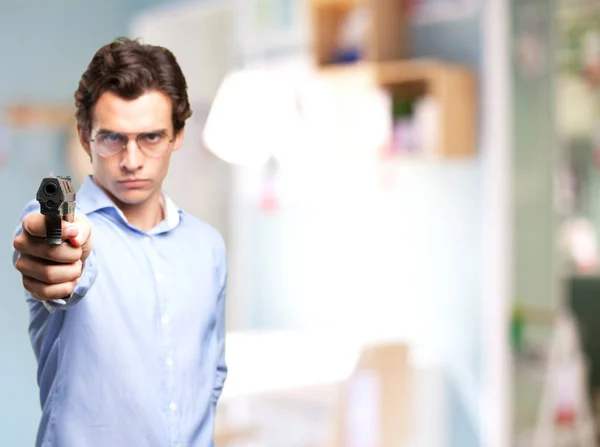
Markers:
145,215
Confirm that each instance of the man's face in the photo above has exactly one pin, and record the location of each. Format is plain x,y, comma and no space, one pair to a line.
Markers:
130,176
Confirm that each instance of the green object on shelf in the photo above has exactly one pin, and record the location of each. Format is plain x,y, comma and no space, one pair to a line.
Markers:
517,328
402,108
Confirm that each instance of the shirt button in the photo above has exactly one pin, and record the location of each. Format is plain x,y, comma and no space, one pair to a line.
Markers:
169,362
158,277
165,319
172,406
147,239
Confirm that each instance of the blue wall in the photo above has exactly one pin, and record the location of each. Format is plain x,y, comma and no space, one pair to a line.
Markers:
45,46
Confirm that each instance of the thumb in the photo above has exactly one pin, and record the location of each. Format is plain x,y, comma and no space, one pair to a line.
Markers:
79,234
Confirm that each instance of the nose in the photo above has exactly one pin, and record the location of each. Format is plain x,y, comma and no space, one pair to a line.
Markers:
132,159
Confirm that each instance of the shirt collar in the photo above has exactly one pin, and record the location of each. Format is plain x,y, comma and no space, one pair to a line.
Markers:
91,198
170,210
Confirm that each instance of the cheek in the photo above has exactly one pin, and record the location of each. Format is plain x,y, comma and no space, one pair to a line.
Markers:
105,167
161,167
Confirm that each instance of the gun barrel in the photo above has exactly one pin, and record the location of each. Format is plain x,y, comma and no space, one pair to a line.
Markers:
57,199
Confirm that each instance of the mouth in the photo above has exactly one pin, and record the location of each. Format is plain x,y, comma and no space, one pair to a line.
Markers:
134,184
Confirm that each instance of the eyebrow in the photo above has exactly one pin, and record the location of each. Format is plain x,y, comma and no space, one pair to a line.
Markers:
158,131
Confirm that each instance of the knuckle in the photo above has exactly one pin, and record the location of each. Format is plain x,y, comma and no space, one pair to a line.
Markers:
68,254
18,243
75,254
71,273
50,274
45,292
49,253
23,266
68,289
19,264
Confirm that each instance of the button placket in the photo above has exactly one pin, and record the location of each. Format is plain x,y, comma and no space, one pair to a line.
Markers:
165,323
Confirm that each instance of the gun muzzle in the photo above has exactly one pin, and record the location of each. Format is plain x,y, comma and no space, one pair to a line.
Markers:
57,199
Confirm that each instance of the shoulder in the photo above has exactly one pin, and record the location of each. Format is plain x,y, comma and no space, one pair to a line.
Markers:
204,233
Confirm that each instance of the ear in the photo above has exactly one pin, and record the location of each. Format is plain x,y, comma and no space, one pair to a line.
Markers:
178,140
84,140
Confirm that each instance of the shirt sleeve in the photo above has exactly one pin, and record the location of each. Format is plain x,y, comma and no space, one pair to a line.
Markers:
85,282
221,373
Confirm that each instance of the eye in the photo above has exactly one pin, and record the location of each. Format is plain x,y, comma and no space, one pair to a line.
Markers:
110,138
152,138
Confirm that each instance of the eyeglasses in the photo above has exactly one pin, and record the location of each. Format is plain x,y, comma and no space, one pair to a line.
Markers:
152,144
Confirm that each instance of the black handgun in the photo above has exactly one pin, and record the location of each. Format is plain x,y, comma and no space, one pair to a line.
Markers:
56,196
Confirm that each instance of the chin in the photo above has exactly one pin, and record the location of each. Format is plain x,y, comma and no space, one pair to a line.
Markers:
133,197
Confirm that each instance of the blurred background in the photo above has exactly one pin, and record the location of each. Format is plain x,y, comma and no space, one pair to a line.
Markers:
410,196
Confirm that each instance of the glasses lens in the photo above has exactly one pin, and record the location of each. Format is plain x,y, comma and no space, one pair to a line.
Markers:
108,144
153,144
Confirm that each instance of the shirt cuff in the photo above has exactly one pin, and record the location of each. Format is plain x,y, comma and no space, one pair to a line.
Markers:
85,282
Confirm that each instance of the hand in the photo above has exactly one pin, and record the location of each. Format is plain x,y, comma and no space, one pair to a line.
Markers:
52,271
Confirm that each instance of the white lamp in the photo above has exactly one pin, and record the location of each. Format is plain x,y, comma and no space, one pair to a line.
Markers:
254,116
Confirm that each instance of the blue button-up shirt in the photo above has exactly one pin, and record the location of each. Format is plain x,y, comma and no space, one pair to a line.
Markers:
136,356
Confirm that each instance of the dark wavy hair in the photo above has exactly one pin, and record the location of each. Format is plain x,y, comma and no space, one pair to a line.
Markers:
128,68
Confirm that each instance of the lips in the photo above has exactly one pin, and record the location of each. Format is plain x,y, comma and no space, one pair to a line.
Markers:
133,184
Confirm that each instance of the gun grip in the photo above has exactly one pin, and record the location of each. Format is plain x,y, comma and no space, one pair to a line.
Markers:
53,230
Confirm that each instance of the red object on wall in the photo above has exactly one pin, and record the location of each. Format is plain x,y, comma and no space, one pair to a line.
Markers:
564,417
269,201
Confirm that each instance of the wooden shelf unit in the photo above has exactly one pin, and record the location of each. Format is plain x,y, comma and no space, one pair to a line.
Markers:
20,116
386,38
453,87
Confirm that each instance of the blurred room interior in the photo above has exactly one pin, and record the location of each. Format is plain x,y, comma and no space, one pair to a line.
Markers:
410,196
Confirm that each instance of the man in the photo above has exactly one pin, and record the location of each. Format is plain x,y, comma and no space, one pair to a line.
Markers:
127,317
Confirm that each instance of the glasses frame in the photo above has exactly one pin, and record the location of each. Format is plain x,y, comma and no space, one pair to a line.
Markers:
128,137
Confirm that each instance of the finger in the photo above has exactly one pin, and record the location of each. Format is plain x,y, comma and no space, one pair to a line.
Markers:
43,291
46,272
70,231
35,225
26,244
80,230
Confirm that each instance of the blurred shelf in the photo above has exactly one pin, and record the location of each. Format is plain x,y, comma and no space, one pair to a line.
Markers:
29,115
386,29
452,87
